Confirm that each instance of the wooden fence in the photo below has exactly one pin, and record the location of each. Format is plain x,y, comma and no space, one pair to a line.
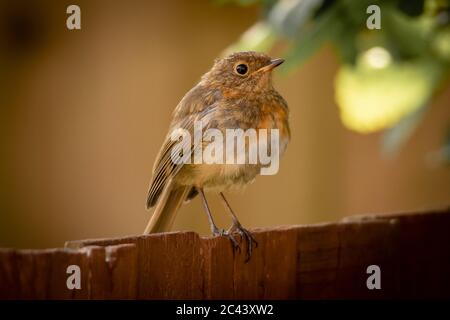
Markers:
323,261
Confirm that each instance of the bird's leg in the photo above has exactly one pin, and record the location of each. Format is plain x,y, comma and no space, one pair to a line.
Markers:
237,227
214,230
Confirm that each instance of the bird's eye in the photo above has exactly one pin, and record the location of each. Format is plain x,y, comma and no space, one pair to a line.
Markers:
241,69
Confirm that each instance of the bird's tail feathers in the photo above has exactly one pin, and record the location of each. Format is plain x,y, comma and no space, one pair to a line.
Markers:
166,209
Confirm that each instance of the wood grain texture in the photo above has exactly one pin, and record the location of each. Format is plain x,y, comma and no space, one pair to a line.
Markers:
323,261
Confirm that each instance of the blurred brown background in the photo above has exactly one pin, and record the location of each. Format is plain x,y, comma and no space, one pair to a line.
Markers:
83,114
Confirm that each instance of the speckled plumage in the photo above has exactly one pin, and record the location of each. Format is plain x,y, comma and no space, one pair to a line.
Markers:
223,99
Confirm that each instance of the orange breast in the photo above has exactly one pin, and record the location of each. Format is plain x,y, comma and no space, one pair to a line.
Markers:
275,117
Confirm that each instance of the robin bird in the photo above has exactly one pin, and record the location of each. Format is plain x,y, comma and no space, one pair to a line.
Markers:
236,93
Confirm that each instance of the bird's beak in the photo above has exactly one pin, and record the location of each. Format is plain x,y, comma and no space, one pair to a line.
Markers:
273,64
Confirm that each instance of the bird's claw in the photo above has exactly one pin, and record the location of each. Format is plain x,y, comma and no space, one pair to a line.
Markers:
244,233
221,232
216,232
233,240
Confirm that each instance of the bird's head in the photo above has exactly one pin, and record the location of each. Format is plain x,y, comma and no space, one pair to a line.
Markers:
244,71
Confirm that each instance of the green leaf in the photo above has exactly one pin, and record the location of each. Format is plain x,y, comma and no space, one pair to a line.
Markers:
412,8
376,94
312,38
259,37
288,17
393,139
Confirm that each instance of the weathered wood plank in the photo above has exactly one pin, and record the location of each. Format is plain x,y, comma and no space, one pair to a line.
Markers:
217,268
112,271
317,264
170,266
324,261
